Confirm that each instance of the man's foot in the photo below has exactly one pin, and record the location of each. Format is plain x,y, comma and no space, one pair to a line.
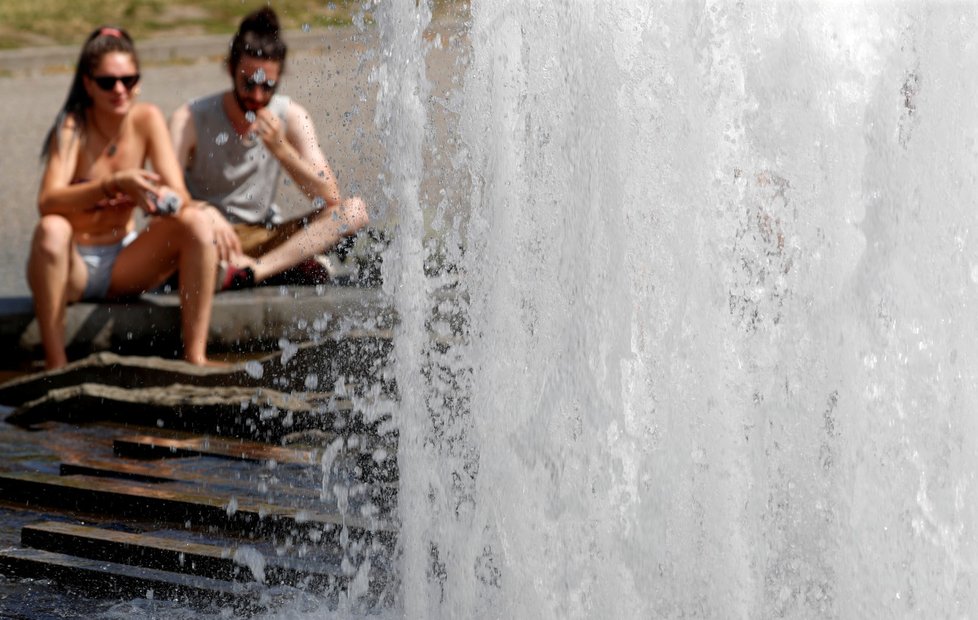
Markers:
236,278
315,270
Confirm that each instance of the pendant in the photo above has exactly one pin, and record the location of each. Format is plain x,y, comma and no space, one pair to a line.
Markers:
111,150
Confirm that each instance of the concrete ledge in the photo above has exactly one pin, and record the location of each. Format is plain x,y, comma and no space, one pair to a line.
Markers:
242,321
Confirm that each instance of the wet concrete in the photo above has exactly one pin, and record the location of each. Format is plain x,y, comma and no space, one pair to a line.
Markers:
242,322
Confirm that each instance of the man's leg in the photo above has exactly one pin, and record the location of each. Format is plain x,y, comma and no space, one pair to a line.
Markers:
56,275
322,230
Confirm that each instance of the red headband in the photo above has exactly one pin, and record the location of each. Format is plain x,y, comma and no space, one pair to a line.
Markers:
110,32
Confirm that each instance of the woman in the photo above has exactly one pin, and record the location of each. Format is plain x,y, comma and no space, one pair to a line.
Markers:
86,246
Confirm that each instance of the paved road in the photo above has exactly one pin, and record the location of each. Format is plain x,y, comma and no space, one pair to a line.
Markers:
331,82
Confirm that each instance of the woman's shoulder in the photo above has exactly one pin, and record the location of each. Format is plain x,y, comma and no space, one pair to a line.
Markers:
147,119
67,131
143,112
70,123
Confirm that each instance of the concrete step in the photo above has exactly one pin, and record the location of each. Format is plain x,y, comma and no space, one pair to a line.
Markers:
255,320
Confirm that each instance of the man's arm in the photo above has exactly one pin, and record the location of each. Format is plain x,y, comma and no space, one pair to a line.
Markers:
183,132
297,149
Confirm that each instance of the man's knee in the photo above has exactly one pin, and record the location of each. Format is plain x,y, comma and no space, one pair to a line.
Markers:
354,214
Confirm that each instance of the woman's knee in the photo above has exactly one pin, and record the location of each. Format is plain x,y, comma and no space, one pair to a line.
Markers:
197,227
52,236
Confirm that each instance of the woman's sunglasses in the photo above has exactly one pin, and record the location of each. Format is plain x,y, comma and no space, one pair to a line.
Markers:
107,82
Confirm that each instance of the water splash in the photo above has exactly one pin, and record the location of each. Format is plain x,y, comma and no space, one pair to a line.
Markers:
715,351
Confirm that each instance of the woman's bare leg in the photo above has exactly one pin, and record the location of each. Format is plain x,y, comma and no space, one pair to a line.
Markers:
198,271
57,276
168,243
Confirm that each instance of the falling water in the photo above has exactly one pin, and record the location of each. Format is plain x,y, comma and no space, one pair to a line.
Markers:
706,346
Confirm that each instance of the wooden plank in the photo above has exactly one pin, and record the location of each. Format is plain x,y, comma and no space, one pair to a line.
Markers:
154,446
112,580
118,469
108,579
382,495
181,556
156,502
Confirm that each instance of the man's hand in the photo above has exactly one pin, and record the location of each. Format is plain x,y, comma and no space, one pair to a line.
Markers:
269,128
225,238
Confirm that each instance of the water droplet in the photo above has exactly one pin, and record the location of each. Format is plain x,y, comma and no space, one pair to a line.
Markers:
221,139
318,202
254,369
252,559
288,350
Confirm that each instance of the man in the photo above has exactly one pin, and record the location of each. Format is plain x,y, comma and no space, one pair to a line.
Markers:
233,147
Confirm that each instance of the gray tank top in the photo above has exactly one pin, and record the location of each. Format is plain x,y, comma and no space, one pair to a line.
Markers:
235,174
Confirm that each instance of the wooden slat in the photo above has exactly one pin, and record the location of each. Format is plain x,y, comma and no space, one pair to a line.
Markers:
382,495
155,446
181,556
178,445
109,579
117,469
157,502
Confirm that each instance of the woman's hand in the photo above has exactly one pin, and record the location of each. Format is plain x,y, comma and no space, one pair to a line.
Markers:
140,185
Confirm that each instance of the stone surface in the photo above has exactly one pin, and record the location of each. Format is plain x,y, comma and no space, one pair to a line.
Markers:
242,321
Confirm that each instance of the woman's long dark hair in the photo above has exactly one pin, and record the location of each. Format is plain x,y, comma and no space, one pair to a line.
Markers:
102,41
258,36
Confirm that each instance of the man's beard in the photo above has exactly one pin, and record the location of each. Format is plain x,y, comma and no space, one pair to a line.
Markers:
242,102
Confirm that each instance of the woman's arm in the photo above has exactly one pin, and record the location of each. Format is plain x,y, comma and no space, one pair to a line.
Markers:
160,151
57,194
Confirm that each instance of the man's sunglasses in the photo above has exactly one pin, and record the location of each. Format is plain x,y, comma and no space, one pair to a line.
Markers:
268,86
107,82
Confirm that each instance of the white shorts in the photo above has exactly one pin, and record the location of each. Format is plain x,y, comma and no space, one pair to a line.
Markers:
100,259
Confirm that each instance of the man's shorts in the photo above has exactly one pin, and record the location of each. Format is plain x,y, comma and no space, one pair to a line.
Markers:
259,239
99,260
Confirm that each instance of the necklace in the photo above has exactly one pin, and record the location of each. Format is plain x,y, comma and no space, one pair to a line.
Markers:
111,147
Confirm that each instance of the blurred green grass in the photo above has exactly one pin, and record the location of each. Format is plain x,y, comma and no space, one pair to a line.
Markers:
66,22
